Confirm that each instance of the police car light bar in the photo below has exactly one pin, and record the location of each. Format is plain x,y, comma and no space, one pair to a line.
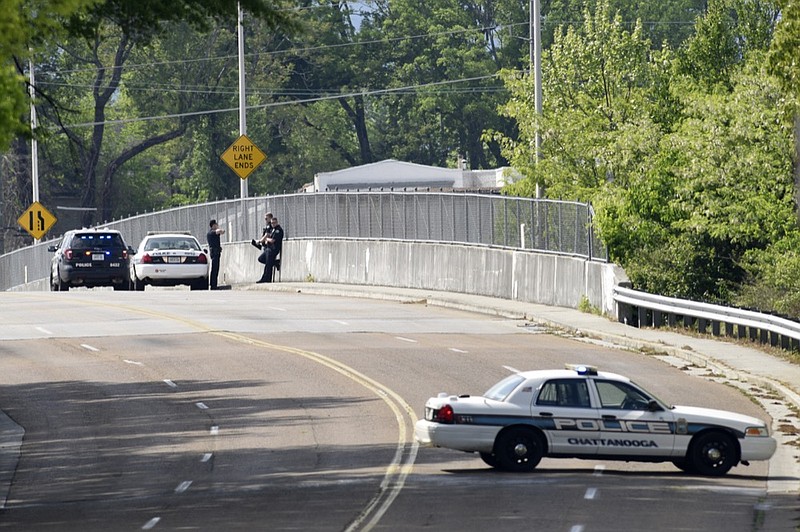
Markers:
582,369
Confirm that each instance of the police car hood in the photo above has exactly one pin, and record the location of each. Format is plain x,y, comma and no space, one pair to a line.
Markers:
697,414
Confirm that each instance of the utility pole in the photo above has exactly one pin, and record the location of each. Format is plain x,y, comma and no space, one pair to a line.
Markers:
34,143
242,93
536,68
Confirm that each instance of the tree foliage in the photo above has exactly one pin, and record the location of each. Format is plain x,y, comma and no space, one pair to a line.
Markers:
601,113
24,27
686,155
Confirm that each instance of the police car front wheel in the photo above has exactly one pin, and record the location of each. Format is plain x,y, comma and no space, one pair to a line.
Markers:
519,449
713,454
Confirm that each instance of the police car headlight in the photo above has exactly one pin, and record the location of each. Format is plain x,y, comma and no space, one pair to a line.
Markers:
756,431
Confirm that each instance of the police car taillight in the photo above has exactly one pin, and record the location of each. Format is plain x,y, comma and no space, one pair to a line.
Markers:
201,258
444,414
68,254
147,259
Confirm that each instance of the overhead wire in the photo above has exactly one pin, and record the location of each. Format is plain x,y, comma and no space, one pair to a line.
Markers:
278,104
313,95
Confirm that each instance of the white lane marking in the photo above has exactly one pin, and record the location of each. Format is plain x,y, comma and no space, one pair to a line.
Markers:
279,309
598,470
406,339
340,322
133,362
206,457
201,406
89,347
170,383
454,350
151,523
183,486
214,430
576,528
44,331
591,493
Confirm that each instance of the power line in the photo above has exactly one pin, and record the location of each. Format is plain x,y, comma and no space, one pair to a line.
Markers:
483,29
298,50
377,92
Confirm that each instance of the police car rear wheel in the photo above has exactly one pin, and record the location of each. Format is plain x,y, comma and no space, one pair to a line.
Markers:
489,459
138,285
519,449
62,286
713,454
684,465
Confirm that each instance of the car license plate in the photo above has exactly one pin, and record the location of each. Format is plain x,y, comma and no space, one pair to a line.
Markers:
173,260
98,256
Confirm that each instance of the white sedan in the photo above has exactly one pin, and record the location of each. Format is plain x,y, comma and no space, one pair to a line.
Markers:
579,412
169,259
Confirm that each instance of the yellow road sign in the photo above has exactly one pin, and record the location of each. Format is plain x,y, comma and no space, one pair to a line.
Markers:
243,157
36,220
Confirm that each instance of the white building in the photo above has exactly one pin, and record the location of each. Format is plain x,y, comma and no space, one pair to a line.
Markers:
393,174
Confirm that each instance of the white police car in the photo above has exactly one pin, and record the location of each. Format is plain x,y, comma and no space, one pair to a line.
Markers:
579,412
169,259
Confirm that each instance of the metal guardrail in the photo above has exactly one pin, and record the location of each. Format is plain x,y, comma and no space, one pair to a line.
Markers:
641,309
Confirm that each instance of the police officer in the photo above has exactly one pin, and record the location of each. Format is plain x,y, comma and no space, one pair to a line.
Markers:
215,247
274,245
265,233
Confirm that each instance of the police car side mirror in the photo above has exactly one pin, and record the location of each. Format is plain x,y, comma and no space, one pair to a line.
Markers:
52,249
653,406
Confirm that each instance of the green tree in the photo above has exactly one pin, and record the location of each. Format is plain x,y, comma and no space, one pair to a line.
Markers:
434,124
665,21
603,108
689,173
104,38
23,29
717,192
784,65
723,38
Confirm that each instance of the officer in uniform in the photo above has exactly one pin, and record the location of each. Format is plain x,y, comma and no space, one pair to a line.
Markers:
215,247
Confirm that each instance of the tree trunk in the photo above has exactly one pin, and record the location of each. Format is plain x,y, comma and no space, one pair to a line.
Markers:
358,116
111,169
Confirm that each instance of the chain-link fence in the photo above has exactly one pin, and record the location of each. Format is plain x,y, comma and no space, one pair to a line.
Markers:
561,227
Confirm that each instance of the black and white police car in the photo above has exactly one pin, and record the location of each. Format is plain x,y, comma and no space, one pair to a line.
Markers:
580,412
169,259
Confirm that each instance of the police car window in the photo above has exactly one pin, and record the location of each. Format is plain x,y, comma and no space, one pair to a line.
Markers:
97,240
155,243
571,393
621,395
500,391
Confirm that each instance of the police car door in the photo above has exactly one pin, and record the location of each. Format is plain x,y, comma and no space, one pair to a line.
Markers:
563,410
628,426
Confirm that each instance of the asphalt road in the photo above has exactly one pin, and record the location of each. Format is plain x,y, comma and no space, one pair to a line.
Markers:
237,410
